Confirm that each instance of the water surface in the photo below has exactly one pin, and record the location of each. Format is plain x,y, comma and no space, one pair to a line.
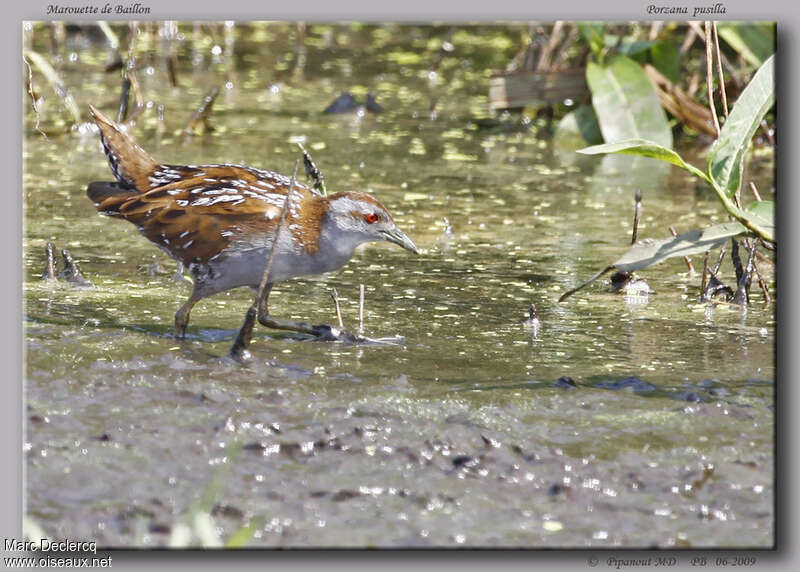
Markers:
460,435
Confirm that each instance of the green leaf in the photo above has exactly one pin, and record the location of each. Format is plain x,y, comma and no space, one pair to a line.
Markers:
592,32
244,535
581,125
647,253
725,158
760,216
756,42
666,59
642,255
645,148
626,103
628,46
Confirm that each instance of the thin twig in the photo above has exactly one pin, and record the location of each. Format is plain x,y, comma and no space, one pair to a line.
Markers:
736,260
742,294
50,263
286,204
360,309
32,93
242,341
124,98
710,78
56,82
655,27
694,83
637,213
201,114
160,128
691,34
545,56
704,281
335,297
685,258
762,284
767,133
755,191
130,65
719,262
563,50
719,72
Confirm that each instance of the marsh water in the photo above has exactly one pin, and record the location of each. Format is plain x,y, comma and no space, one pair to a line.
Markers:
459,434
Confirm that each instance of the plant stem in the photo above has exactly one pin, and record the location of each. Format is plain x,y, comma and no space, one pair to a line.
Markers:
242,341
755,191
710,78
637,213
360,309
685,258
335,298
719,72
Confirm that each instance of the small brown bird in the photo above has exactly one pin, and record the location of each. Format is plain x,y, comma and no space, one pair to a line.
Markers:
220,222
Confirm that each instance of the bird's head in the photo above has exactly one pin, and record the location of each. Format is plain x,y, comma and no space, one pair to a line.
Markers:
362,218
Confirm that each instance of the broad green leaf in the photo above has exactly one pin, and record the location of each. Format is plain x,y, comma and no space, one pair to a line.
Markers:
592,32
645,148
626,103
647,253
642,255
666,59
725,158
629,45
756,42
761,215
580,125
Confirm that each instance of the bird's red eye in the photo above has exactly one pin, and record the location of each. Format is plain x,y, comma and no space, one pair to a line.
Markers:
371,217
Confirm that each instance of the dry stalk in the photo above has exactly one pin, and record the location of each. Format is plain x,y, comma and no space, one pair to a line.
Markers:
637,214
691,35
685,258
762,284
719,71
239,348
545,56
360,309
755,191
335,298
710,77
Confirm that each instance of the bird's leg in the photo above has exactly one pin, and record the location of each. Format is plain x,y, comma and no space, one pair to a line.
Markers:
240,344
182,315
178,276
322,331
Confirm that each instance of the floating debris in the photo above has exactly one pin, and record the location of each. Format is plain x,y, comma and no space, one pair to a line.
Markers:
346,103
532,323
342,104
372,105
566,382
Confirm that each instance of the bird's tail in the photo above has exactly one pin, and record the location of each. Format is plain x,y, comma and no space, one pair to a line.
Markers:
131,164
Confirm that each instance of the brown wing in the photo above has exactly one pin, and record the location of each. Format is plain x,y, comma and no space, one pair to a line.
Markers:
201,213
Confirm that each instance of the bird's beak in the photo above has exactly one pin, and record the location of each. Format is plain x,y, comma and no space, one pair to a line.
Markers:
398,237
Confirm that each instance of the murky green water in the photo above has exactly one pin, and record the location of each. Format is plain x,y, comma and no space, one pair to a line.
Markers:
458,436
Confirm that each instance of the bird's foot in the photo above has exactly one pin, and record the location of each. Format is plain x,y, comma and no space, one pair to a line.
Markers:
328,333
